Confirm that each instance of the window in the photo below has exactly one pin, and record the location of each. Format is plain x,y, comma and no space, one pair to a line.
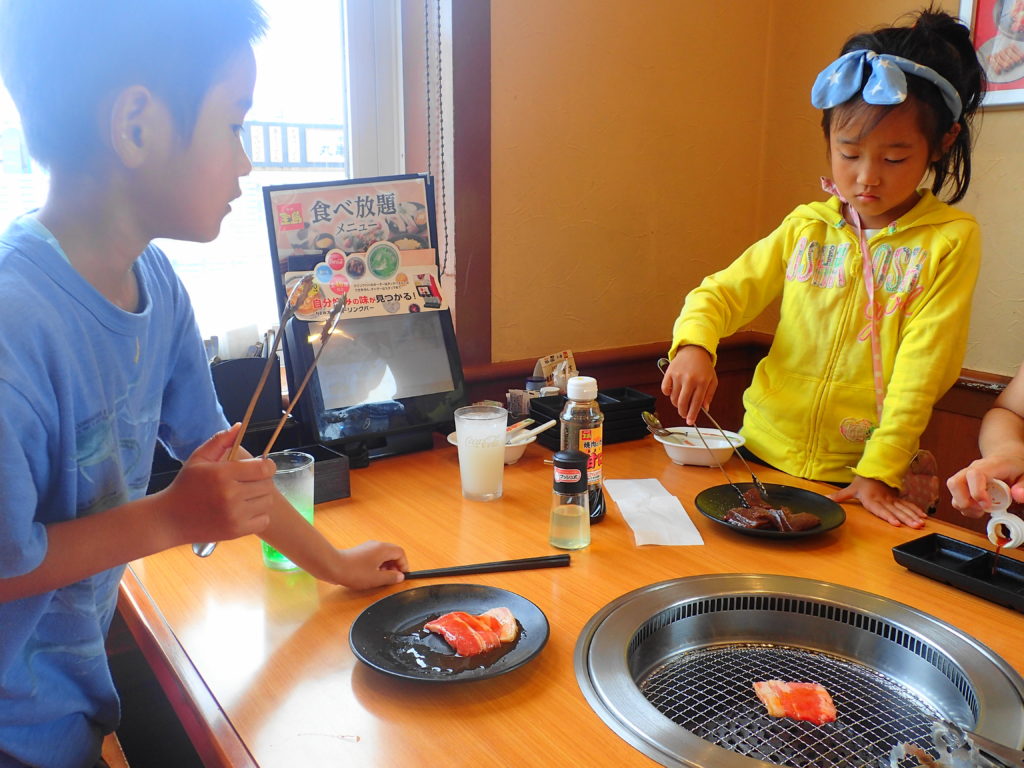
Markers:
327,106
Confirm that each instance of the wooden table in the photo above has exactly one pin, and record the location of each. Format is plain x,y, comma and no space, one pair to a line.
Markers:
258,666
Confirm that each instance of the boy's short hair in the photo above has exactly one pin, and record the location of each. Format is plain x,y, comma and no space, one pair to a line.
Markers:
65,61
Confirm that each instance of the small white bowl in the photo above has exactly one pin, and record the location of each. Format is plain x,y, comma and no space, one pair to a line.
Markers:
697,454
513,453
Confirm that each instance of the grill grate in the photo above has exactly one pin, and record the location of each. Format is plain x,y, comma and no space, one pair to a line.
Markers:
776,605
710,693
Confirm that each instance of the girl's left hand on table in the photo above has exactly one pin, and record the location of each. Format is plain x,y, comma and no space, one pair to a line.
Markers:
882,501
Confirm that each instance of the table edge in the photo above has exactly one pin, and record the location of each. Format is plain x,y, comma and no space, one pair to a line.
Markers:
205,722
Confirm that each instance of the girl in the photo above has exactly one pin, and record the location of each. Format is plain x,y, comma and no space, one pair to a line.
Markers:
865,344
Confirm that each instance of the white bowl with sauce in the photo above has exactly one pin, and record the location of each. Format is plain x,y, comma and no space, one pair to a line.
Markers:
695,453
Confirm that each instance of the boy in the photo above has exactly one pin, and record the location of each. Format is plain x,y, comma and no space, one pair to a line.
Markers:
135,107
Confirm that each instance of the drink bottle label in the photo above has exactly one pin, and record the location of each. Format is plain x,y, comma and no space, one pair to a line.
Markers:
591,441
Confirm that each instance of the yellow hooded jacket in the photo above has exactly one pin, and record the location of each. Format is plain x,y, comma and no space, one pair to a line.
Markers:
811,404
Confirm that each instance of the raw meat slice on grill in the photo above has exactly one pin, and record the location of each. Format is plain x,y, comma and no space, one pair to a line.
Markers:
799,701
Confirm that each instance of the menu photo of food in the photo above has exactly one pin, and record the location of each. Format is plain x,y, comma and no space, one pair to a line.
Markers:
350,215
395,287
998,32
370,241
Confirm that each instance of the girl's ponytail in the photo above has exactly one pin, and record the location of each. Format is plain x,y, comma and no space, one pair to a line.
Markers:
946,38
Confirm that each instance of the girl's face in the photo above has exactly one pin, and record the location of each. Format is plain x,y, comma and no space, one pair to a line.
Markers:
878,172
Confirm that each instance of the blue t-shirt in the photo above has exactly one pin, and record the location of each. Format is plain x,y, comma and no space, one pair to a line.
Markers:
86,389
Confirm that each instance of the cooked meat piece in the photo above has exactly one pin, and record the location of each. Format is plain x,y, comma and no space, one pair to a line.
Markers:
787,521
803,521
780,519
763,518
753,497
749,518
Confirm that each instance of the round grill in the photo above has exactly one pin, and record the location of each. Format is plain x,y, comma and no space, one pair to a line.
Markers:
671,668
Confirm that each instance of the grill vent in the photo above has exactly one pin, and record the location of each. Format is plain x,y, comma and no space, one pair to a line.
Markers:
776,604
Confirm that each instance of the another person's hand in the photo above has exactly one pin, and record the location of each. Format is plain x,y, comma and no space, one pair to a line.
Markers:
882,501
216,500
968,486
372,564
690,382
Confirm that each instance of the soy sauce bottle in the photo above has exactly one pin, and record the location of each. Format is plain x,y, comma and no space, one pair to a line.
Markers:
582,430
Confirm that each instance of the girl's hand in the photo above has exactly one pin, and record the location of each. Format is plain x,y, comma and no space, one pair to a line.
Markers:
372,564
216,500
967,486
690,382
882,501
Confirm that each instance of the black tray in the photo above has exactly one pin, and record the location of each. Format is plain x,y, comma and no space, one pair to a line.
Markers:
621,408
965,566
620,404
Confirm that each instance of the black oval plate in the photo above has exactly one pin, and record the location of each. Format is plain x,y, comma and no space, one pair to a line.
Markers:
715,502
389,636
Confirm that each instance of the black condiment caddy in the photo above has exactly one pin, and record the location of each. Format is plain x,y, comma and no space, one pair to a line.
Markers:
621,407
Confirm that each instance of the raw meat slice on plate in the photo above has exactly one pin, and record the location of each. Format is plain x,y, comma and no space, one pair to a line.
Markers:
469,635
509,629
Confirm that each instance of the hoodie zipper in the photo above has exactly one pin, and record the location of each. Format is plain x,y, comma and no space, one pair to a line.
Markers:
817,409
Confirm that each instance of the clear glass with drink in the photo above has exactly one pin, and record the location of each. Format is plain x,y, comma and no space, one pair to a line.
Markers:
480,434
294,479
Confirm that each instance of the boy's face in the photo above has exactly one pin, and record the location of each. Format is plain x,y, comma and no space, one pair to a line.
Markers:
195,183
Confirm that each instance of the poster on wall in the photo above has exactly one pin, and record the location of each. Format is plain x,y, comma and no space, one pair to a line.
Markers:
997,29
369,241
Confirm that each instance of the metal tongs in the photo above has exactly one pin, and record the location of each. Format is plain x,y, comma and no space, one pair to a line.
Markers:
1014,758
954,746
662,362
325,335
296,297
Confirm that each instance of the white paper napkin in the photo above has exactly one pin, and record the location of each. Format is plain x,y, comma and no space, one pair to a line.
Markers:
654,514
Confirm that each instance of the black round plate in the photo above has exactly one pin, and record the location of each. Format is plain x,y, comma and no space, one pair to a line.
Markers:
715,502
389,635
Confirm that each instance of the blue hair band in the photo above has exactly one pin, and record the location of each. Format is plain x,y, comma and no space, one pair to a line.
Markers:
879,78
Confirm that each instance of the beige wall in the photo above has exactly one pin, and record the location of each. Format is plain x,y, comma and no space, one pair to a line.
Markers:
638,146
